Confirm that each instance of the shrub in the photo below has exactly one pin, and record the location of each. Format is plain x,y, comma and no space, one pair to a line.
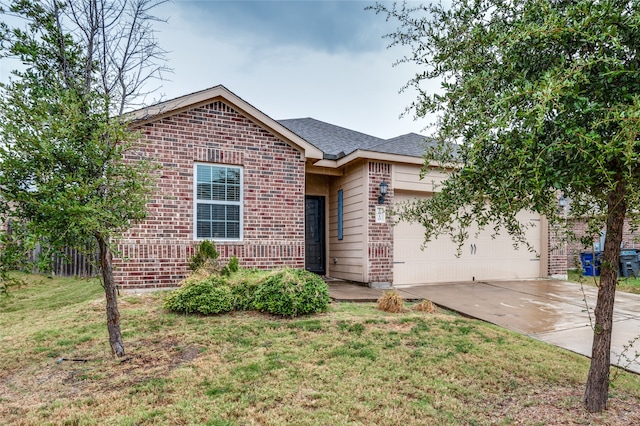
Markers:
233,264
243,285
244,294
207,297
206,256
231,267
391,301
292,292
425,306
286,292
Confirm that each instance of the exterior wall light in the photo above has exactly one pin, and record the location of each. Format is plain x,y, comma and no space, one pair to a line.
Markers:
562,202
383,191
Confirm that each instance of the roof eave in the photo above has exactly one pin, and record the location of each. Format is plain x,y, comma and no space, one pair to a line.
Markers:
380,156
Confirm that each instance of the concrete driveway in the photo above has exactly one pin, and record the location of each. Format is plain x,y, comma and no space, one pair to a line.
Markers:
548,310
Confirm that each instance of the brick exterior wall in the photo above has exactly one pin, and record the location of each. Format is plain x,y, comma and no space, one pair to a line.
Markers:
557,255
575,246
630,239
379,235
157,251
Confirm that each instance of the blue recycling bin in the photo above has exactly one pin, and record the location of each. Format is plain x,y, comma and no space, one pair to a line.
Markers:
590,264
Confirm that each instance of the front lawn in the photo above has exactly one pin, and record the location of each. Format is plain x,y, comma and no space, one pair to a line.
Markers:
352,365
629,285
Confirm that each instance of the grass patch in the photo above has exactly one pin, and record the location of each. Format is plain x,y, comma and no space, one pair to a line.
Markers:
626,284
351,365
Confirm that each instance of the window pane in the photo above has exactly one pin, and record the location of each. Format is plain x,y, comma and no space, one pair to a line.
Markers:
204,212
218,230
204,230
233,176
233,193
218,212
233,230
204,191
204,174
218,175
233,213
217,192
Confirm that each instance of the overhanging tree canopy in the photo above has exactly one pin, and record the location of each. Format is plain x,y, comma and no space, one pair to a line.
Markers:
544,97
69,172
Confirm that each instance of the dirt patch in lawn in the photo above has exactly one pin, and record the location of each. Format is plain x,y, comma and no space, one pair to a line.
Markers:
560,405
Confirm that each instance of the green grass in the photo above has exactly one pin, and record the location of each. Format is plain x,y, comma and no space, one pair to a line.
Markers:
629,285
354,365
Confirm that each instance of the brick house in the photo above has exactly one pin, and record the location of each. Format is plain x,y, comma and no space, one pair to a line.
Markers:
298,192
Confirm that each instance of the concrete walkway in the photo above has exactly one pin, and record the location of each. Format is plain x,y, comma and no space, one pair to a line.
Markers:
551,311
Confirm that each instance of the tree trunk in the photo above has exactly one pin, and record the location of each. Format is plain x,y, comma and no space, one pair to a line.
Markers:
110,291
597,389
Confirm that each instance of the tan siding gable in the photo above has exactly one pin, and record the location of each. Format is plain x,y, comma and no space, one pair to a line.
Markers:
407,177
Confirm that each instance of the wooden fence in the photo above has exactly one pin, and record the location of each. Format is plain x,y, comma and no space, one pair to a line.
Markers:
69,263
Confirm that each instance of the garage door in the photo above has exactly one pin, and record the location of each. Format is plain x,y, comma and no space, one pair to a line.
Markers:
482,257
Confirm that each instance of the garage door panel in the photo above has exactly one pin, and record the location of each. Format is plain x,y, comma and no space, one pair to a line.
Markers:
482,257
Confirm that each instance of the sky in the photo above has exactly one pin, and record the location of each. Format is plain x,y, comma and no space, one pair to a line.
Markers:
291,59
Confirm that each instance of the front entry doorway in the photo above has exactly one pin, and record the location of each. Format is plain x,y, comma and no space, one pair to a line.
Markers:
315,256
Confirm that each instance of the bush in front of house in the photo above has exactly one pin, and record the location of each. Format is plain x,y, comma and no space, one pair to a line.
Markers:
206,256
213,290
232,267
292,292
243,283
391,301
208,297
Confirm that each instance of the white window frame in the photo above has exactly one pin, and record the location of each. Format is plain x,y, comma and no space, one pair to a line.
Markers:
239,203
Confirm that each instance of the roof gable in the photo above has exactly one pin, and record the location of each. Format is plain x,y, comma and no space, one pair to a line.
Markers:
317,139
221,93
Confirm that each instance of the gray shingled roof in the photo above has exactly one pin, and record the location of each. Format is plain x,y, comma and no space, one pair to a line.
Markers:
411,144
334,141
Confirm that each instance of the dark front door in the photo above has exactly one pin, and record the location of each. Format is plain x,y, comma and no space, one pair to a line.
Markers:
314,234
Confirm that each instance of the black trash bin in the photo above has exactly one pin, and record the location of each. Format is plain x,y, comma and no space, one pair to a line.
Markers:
629,263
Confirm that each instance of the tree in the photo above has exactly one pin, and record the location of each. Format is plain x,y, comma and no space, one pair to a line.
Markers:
544,99
69,171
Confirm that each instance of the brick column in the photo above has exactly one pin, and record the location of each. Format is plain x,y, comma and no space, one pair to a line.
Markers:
379,235
557,254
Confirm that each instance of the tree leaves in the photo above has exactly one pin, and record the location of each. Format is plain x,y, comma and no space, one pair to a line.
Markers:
64,170
541,95
67,171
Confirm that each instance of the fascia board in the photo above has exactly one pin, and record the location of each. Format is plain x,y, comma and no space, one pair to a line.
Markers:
380,156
